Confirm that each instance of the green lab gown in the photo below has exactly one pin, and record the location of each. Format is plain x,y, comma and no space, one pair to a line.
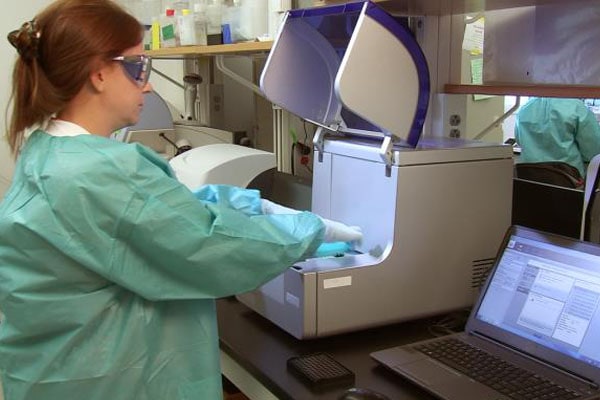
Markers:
553,129
109,269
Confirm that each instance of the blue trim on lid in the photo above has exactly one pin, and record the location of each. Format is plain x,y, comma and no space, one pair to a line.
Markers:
329,10
348,15
386,20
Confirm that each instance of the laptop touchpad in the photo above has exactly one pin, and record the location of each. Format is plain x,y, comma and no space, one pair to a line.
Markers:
428,371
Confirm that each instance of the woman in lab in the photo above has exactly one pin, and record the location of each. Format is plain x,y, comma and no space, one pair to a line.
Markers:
109,267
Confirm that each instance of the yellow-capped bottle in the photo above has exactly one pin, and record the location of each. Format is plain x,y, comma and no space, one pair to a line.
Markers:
155,31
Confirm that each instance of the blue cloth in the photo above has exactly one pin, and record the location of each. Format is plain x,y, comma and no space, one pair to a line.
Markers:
109,269
553,129
333,249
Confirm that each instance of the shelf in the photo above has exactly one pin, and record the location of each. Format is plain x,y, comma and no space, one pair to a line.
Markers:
567,91
218,49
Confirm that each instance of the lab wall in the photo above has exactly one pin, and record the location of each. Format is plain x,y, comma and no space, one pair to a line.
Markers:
553,43
479,111
172,93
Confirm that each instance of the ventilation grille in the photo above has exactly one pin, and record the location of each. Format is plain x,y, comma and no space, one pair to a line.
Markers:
481,269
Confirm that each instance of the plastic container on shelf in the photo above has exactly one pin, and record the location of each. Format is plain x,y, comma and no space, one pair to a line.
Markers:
147,41
168,29
200,24
186,27
178,5
214,20
247,20
231,19
155,30
253,19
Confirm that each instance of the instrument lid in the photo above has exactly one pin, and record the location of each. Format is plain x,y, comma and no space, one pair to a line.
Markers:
351,68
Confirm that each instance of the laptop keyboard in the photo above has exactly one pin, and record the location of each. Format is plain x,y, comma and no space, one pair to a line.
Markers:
508,379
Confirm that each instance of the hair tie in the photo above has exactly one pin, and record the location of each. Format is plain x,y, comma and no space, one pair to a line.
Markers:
26,40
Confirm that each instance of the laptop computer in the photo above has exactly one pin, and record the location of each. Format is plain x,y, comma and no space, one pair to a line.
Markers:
536,325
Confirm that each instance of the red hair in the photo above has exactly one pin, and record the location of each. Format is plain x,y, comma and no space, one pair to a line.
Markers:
57,51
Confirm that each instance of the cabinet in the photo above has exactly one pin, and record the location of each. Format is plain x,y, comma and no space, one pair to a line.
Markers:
450,15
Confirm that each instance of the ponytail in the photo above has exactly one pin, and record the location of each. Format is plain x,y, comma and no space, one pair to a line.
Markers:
56,52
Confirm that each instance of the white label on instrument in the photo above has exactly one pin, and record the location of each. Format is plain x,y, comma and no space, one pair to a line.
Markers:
291,299
337,282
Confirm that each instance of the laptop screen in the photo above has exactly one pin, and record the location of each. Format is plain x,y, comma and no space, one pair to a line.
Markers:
544,289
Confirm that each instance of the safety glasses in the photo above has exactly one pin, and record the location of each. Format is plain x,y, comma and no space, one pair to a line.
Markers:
137,67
